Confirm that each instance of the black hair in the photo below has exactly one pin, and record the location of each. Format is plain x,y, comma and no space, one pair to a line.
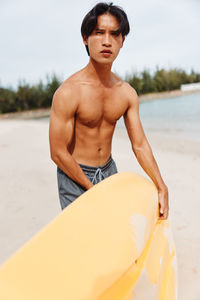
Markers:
90,21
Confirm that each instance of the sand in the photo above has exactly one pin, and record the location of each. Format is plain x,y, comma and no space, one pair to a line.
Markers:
29,197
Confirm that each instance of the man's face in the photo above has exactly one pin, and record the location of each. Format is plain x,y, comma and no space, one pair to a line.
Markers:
104,44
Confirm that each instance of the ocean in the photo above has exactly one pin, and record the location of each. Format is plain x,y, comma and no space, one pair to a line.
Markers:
179,115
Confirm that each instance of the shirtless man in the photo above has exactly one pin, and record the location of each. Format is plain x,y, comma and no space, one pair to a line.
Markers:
85,110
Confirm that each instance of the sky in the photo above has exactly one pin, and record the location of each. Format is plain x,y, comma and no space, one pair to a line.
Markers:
40,37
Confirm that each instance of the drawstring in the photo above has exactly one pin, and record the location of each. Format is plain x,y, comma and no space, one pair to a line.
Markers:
99,174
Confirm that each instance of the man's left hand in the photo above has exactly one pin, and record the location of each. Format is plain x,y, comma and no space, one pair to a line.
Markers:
163,204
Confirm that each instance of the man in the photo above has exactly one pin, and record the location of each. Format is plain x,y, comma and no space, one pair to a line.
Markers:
85,110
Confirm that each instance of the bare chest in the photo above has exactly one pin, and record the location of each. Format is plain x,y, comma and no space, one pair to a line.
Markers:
95,108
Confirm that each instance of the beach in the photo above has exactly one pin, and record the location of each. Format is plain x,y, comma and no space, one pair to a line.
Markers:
29,196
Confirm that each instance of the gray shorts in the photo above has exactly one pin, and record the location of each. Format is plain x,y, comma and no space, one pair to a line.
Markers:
69,190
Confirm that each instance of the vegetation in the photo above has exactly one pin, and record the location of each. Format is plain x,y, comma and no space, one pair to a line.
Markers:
161,80
27,97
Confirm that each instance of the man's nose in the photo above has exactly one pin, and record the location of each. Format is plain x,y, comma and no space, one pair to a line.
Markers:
106,40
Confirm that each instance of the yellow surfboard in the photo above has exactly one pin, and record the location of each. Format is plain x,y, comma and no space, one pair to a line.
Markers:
106,245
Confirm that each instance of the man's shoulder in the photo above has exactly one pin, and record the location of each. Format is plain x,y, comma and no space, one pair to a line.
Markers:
69,87
69,83
66,95
74,79
128,91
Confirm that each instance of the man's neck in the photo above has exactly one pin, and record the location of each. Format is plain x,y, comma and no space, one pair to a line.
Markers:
99,72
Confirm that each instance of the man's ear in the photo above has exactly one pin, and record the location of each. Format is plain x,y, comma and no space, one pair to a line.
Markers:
123,39
85,39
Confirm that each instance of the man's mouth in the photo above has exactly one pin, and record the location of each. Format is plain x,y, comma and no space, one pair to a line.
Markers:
106,51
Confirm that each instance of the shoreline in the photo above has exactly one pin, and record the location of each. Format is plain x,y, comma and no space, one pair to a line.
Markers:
167,94
45,112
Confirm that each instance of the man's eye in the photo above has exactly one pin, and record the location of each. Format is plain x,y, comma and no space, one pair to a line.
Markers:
115,33
99,32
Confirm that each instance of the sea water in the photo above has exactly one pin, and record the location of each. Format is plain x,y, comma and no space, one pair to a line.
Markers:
179,115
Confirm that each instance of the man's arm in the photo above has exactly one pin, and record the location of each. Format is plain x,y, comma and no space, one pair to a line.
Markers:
61,132
142,150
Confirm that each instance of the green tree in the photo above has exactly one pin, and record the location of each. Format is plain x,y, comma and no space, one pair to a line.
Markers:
7,100
52,84
135,81
148,85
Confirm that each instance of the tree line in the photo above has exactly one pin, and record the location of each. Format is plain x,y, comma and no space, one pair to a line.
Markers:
161,80
28,97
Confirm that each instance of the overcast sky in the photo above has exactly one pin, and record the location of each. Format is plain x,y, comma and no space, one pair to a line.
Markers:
39,37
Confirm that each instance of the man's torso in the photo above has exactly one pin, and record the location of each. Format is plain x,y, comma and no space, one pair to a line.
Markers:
99,106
